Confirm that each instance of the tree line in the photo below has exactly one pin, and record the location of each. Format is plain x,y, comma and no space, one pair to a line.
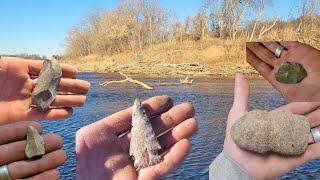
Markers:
141,24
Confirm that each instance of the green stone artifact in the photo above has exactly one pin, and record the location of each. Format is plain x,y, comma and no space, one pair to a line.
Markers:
291,73
35,143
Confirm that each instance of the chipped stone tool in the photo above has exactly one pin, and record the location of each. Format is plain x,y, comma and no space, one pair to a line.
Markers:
45,91
144,145
291,73
35,143
280,132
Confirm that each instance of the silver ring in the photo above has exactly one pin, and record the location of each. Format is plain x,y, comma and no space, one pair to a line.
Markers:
315,133
4,173
278,52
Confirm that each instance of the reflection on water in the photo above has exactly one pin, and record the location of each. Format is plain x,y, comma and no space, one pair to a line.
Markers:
212,98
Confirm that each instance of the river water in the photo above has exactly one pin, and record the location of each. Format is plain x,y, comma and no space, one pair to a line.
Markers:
212,98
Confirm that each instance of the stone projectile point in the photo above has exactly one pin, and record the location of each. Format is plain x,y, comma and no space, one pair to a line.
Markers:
45,91
291,73
144,145
35,143
280,132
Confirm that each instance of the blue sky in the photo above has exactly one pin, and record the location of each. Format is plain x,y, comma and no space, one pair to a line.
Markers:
40,26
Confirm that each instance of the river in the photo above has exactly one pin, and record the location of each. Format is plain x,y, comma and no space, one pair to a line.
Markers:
212,98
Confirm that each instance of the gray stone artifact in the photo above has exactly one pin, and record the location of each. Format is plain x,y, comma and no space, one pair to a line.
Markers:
35,143
144,145
45,91
291,73
280,132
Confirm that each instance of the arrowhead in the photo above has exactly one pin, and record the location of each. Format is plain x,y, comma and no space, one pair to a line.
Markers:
35,143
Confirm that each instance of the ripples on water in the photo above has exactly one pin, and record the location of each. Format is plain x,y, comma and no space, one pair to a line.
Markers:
211,97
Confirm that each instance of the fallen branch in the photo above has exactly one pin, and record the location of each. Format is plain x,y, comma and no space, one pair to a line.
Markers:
127,79
186,80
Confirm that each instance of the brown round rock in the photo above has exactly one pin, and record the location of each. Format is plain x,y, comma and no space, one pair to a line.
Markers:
281,132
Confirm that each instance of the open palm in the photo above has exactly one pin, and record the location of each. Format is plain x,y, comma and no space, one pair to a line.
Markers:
103,147
271,165
18,78
261,57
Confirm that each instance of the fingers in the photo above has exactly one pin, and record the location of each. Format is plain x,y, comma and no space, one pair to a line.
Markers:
34,114
75,86
312,152
56,114
182,131
52,174
241,95
27,168
16,131
310,139
171,160
271,45
301,108
121,122
263,68
240,103
173,117
36,65
16,151
261,52
78,88
69,100
290,44
314,118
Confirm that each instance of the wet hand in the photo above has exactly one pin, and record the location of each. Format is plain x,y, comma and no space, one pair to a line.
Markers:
18,77
272,165
103,147
12,153
261,57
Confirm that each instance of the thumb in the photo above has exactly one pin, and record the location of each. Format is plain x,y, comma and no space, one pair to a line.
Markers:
241,96
239,108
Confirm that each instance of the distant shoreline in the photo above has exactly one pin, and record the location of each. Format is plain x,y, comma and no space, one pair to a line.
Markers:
169,74
152,68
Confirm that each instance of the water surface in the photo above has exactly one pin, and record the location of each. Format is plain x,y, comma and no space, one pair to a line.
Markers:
212,98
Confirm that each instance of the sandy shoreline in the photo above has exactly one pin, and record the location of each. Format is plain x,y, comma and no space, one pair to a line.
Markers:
151,68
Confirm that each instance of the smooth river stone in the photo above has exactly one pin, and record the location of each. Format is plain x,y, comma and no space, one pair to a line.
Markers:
280,132
291,73
144,145
35,143
45,91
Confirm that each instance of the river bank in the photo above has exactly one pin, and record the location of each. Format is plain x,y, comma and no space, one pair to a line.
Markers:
163,69
201,58
155,68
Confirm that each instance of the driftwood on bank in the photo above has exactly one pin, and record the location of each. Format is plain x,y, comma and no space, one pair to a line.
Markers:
186,80
127,79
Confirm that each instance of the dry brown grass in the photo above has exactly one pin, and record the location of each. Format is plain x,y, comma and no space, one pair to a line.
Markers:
215,57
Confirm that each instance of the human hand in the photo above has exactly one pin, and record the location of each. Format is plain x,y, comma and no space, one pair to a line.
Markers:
261,57
271,165
18,78
103,154
12,153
